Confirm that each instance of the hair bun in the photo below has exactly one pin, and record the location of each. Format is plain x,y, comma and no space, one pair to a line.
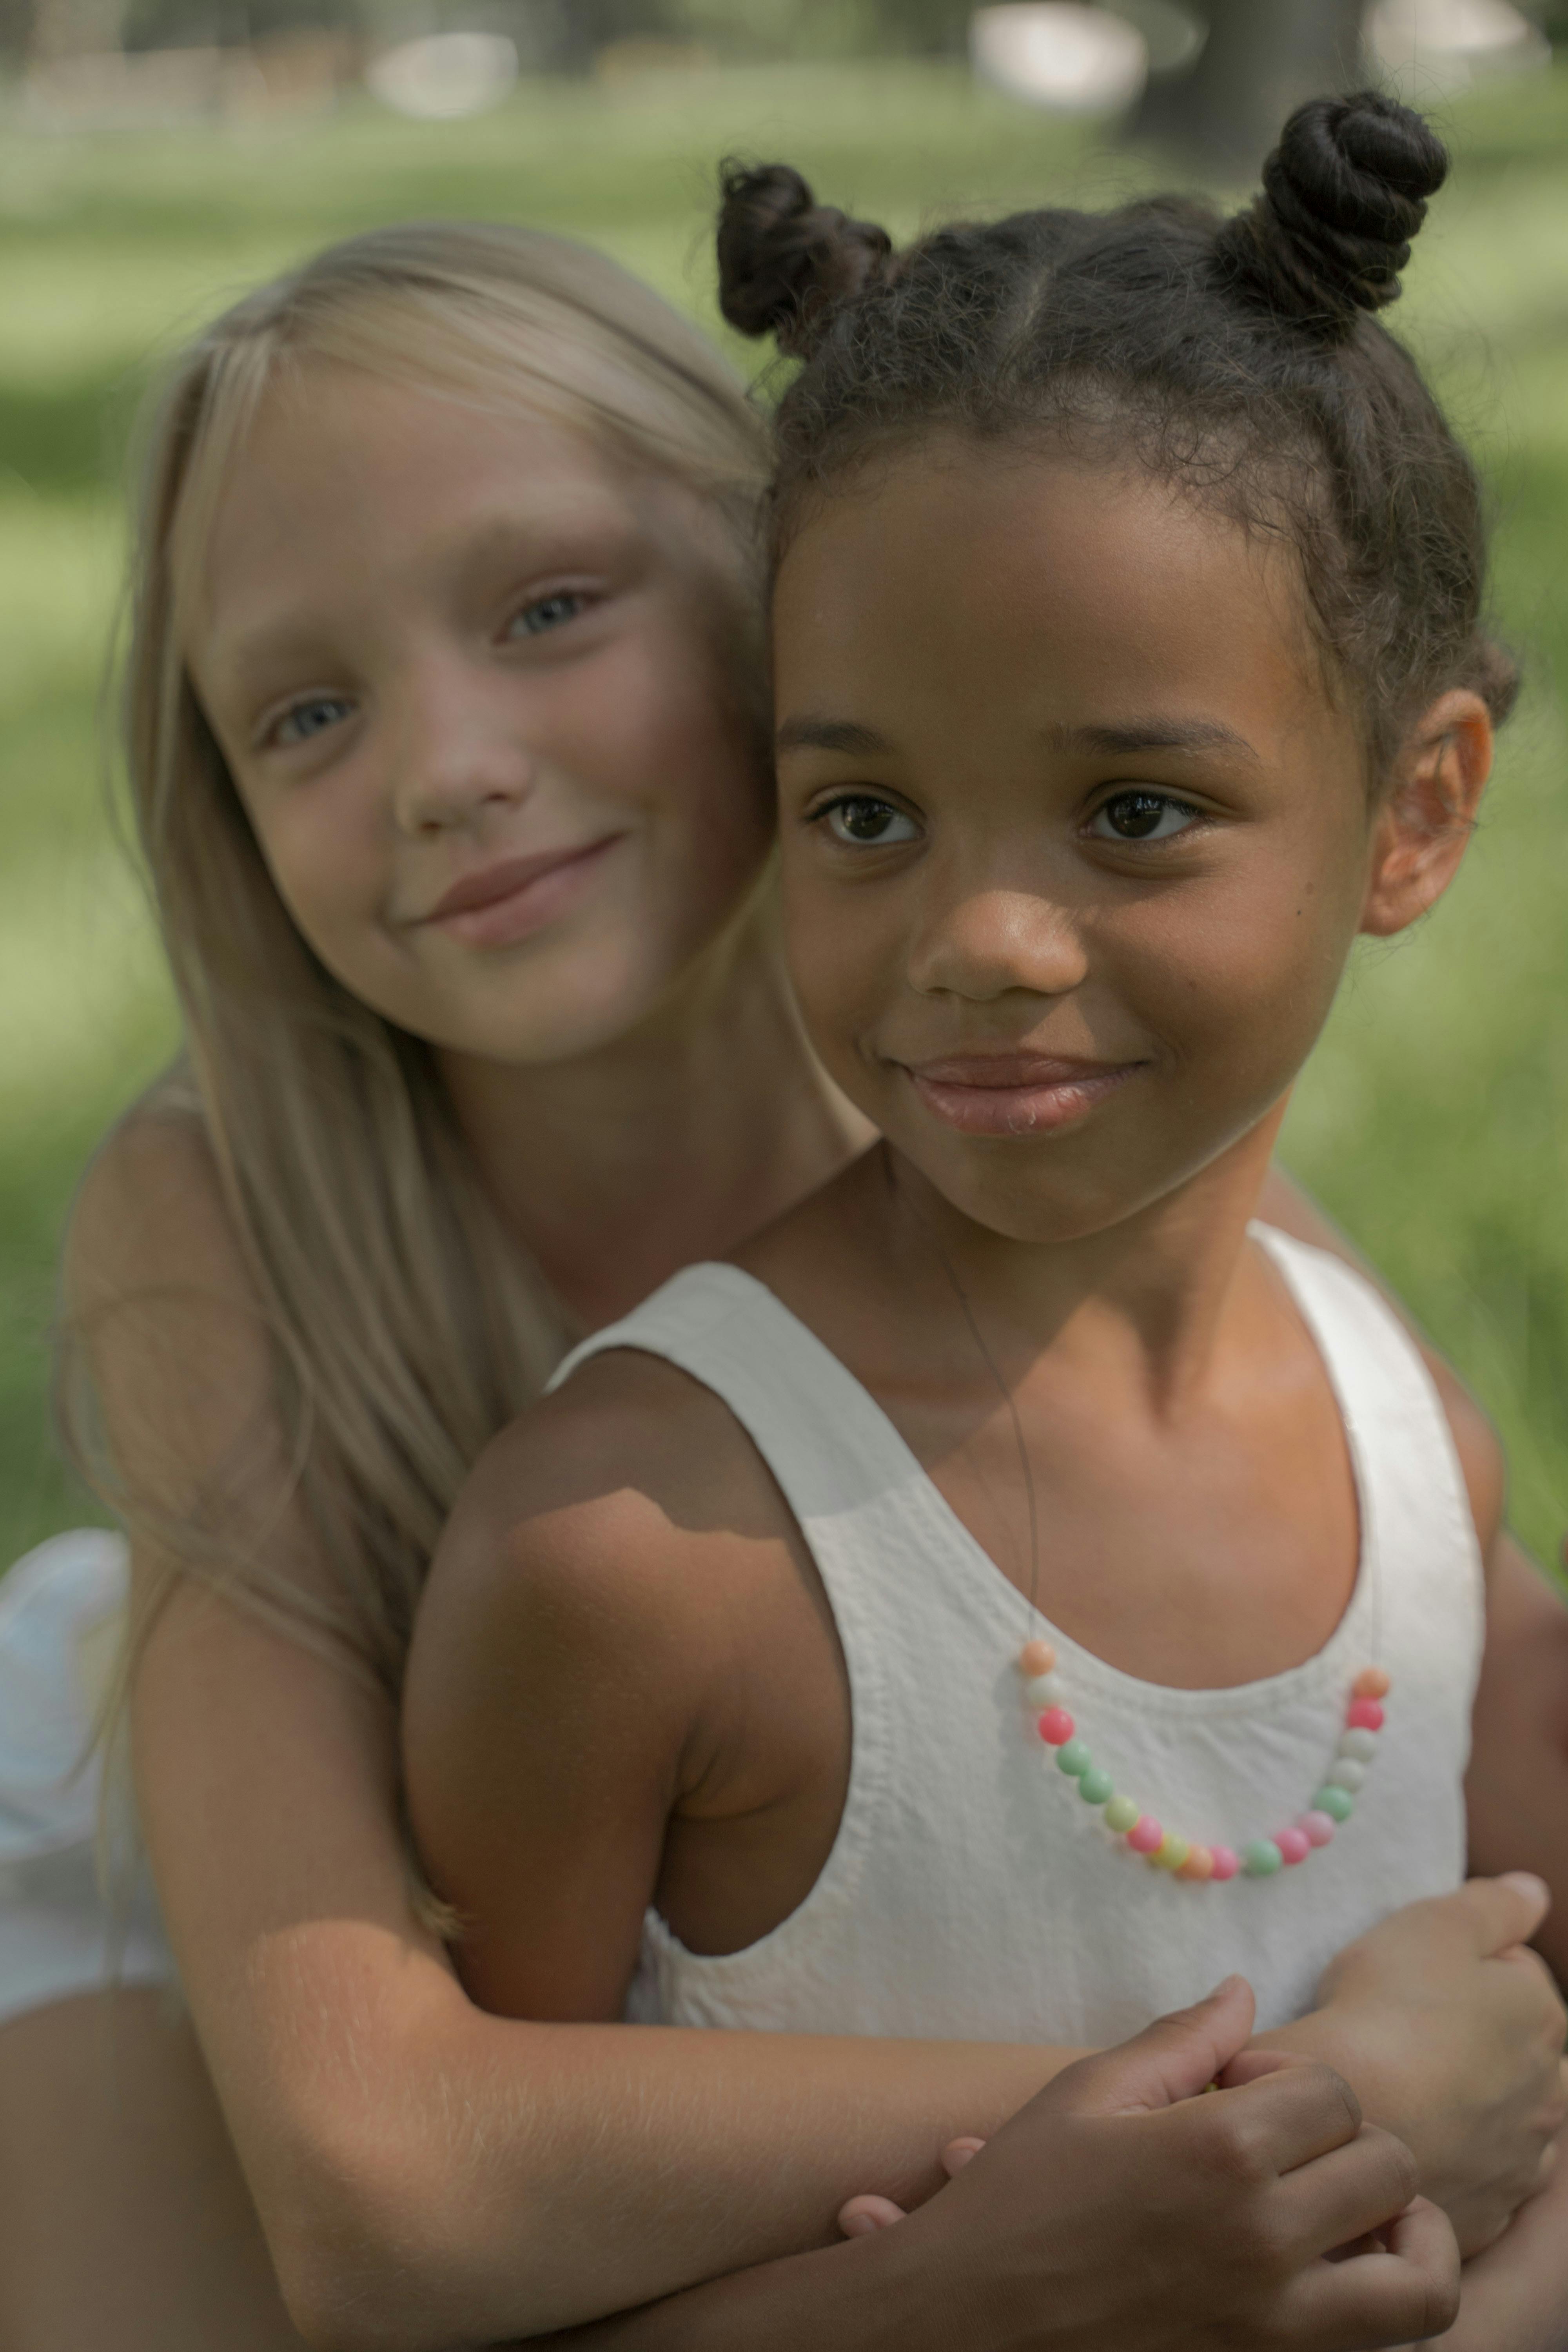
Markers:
786,262
1344,194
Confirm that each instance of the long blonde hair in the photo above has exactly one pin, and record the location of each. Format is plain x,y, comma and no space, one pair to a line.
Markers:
406,1328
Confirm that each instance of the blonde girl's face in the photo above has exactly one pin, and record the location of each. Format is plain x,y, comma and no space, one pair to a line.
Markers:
1075,841
474,684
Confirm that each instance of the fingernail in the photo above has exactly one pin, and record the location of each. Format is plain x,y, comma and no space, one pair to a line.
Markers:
1227,1984
1533,1889
859,2225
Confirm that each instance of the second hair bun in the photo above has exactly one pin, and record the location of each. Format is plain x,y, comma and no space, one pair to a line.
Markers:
786,262
1344,194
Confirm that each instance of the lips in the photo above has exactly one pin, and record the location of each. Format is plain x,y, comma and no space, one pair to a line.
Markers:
1014,1094
506,901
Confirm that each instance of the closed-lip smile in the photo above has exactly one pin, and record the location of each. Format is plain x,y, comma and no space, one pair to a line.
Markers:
505,902
1014,1093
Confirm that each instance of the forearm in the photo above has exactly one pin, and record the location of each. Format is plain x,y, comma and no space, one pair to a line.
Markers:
839,2299
1517,1787
449,2177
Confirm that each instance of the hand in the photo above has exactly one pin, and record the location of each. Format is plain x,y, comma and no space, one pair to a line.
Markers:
1120,2209
1515,2296
1452,2034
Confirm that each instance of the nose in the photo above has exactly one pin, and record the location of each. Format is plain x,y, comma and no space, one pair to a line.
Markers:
993,942
459,748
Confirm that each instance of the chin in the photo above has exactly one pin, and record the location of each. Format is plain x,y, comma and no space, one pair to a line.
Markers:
1037,1202
586,1004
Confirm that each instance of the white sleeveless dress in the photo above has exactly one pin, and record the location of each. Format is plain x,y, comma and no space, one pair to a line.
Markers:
970,1893
62,1611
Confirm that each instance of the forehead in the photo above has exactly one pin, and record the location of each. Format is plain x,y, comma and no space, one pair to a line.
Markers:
345,479
953,572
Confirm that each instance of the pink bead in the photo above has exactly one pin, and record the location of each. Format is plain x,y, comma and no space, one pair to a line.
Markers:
1318,1827
1294,1844
1364,1715
1056,1726
1225,1863
1037,1658
1370,1682
1145,1836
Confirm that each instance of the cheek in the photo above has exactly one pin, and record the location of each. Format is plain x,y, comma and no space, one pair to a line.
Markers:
693,757
845,955
1239,979
324,851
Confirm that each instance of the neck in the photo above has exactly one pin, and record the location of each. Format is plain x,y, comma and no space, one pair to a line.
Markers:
669,1144
1145,1298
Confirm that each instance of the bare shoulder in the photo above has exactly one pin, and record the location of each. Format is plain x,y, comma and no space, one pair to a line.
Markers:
162,1327
149,1211
621,1508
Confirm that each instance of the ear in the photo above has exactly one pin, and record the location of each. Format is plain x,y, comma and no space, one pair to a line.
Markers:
1425,825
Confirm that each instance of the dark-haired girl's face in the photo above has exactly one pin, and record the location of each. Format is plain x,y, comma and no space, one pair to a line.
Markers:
1075,840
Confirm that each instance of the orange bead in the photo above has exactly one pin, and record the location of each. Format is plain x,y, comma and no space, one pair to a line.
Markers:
1037,1658
1370,1682
1199,1864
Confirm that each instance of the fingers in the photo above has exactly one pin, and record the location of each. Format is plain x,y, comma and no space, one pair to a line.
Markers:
862,2217
1265,2128
1348,2192
1173,2059
1252,2065
1501,1912
957,2154
1398,2297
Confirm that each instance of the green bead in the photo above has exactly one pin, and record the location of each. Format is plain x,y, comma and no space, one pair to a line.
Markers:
1337,1803
1094,1785
1073,1757
1120,1814
1172,1851
1260,1858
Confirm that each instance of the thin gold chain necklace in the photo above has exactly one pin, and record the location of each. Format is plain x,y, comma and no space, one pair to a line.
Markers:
1199,1862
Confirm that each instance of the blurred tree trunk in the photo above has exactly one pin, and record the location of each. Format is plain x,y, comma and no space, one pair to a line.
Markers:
572,32
1261,58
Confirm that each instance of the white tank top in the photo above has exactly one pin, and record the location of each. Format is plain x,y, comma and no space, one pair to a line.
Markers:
970,1893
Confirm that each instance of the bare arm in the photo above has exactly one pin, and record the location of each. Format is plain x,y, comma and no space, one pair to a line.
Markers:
426,2174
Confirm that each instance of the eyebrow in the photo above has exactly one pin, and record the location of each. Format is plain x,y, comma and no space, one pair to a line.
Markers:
812,734
1152,735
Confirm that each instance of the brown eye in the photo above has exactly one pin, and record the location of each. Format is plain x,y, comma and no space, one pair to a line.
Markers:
866,822
1142,816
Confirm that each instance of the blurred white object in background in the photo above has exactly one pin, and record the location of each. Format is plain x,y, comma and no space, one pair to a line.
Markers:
445,75
1075,60
1442,45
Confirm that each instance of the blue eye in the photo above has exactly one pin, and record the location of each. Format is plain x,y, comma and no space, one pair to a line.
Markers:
1142,816
312,717
865,822
548,613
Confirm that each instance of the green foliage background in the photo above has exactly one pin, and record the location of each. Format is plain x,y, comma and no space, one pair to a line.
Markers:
1434,1121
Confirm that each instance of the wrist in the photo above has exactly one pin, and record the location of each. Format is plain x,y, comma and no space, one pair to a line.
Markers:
1351,2042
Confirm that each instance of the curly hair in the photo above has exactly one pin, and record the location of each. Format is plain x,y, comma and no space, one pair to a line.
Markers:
1238,357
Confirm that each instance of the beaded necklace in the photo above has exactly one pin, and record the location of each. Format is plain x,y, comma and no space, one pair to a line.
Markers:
1199,1862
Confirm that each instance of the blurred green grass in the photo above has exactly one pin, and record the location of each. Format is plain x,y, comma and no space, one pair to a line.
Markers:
1433,1122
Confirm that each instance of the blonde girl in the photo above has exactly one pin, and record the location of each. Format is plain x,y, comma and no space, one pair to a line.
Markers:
444,734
